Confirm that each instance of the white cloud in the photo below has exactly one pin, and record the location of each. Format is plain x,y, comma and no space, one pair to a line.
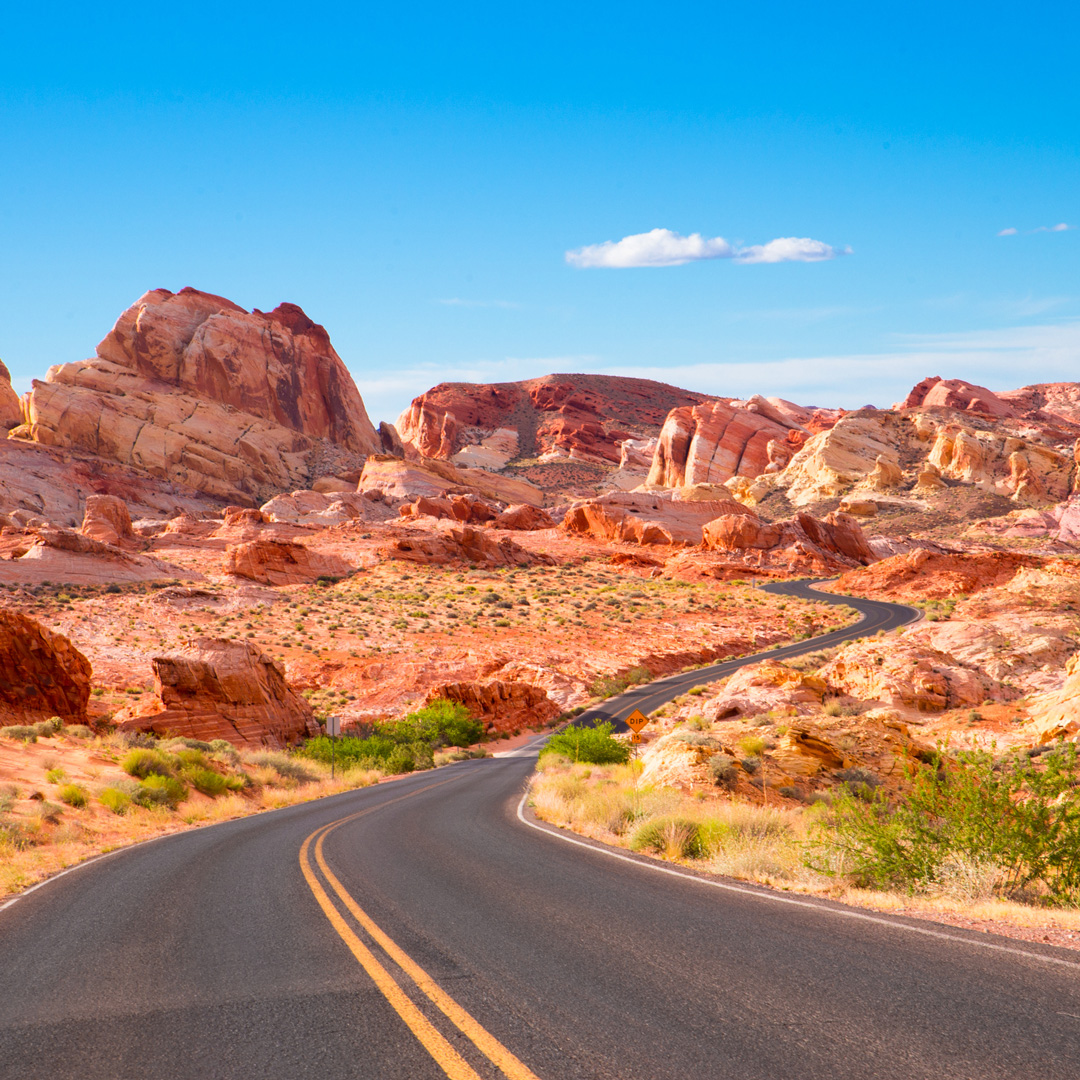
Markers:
1010,231
1059,227
662,247
790,249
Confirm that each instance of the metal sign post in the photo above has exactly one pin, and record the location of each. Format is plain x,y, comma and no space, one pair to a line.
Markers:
333,729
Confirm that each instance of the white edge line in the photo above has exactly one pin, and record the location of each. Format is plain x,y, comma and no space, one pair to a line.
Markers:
776,898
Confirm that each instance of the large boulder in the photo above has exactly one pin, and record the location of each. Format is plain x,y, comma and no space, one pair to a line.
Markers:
41,673
834,541
393,478
106,518
193,388
281,562
449,544
220,689
10,406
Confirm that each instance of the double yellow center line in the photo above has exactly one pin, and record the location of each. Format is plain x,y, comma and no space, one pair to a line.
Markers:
448,1059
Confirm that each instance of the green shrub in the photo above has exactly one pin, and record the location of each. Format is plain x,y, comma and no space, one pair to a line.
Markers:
157,790
183,743
78,731
205,780
440,723
1017,818
594,745
191,758
54,776
73,795
673,836
142,761
116,800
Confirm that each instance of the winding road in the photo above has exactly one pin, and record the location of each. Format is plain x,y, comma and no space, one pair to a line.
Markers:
430,927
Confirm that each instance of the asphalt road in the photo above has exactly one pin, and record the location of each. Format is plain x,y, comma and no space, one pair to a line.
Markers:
876,616
425,928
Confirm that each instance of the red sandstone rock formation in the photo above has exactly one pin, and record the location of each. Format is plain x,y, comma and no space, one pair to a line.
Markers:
41,673
928,575
501,704
192,388
465,544
10,406
711,443
106,518
524,518
646,518
281,562
837,540
463,508
584,417
936,392
221,689
392,478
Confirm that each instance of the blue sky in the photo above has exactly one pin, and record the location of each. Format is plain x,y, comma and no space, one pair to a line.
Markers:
415,178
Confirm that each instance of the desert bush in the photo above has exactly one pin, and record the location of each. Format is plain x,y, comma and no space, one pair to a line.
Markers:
73,795
142,761
180,742
695,738
116,800
723,770
205,780
675,837
55,776
22,732
157,790
78,731
595,745
752,745
286,766
1016,821
440,723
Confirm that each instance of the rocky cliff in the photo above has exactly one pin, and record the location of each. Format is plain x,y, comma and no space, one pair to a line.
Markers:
576,417
194,389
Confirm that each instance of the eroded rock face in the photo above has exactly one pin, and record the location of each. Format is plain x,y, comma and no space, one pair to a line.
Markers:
578,417
463,508
10,407
221,689
192,388
316,508
646,518
524,518
712,442
41,673
503,704
903,672
282,562
1056,715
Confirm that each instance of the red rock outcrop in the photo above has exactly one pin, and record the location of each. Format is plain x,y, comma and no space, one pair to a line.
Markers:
463,508
1056,715
712,442
524,518
193,388
832,542
41,673
930,575
10,406
281,562
221,689
1047,402
583,417
449,544
106,518
936,392
501,704
646,518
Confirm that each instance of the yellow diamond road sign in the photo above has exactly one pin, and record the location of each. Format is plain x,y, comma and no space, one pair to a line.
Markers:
636,721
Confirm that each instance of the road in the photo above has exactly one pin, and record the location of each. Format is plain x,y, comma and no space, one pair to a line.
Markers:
877,616
427,928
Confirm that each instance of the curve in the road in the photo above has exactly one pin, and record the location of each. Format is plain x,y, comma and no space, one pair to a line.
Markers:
878,616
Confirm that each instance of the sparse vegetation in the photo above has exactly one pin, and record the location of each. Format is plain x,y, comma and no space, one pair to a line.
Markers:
595,745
